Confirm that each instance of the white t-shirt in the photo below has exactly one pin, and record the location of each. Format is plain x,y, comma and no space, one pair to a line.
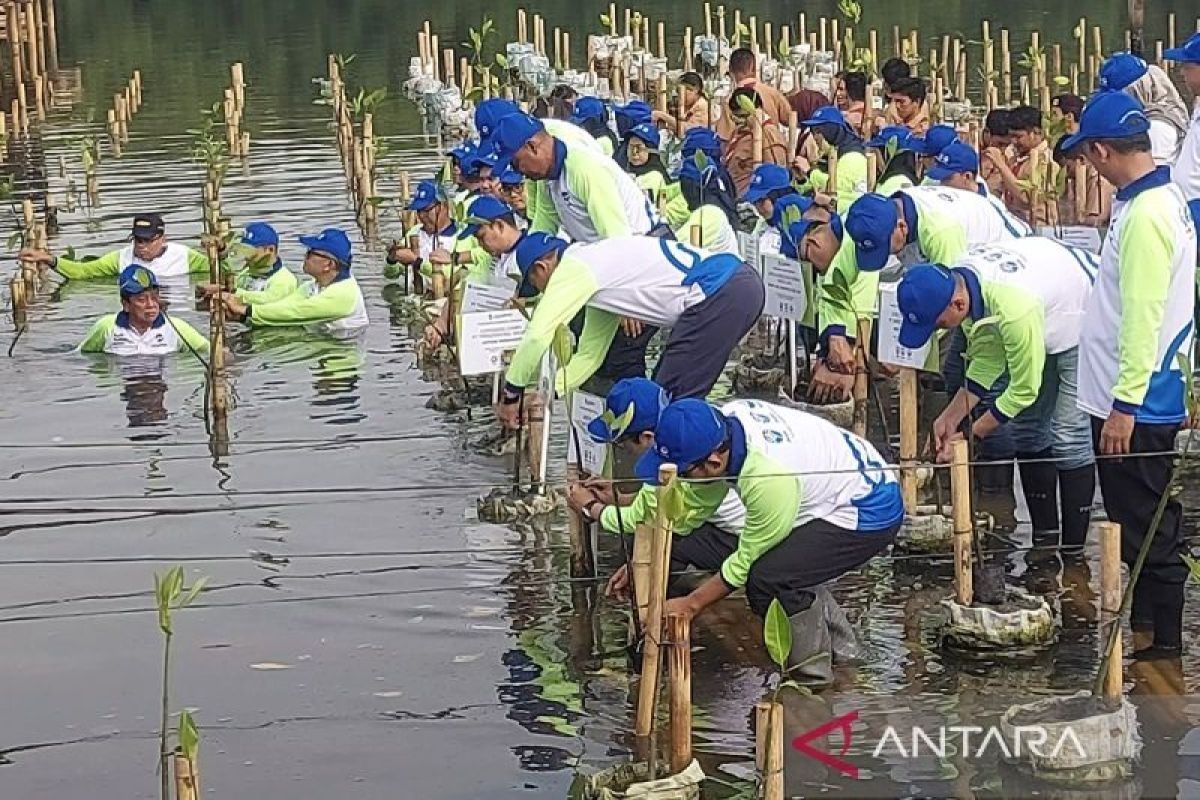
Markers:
1164,143
1186,173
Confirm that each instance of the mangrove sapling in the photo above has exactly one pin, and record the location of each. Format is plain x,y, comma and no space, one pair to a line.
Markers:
171,595
777,635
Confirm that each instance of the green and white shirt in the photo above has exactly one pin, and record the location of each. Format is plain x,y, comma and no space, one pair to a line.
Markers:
175,261
337,309
716,234
114,335
1139,316
948,221
268,287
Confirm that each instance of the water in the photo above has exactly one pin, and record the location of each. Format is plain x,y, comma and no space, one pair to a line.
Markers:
460,663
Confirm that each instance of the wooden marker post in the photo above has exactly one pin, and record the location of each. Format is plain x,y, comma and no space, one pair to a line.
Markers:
679,659
187,778
14,42
960,490
768,748
218,395
1005,66
862,378
640,563
1110,606
660,560
909,415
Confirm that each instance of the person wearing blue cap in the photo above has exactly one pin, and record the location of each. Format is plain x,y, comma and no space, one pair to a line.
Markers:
830,127
141,327
644,163
819,502
591,114
776,200
489,113
438,246
957,167
1161,103
478,176
709,301
148,247
263,279
894,147
712,211
924,224
1187,167
627,117
512,192
935,140
331,301
1020,306
1140,321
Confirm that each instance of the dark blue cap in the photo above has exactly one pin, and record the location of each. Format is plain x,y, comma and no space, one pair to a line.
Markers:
632,407
898,133
955,158
647,133
923,294
427,194
332,242
588,108
826,115
690,170
688,431
1188,54
638,111
702,140
484,209
510,177
532,247
473,163
935,140
489,113
260,234
461,152
512,133
767,178
1108,115
147,227
1121,69
136,279
870,222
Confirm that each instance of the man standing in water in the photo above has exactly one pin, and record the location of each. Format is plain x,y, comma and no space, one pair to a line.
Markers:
1131,379
141,328
148,248
264,278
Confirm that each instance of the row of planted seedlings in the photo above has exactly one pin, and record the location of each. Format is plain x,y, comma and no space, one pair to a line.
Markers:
354,130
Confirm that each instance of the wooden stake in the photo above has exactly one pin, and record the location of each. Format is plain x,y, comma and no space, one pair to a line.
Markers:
960,491
51,36
660,555
768,727
14,42
31,37
908,437
1110,605
679,631
1005,66
186,779
40,37
862,380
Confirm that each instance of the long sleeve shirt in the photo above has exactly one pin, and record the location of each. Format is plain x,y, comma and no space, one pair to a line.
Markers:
276,284
175,260
336,308
114,335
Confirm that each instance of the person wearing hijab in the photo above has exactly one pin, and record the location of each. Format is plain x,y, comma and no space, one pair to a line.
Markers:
645,163
628,117
591,114
712,208
1150,86
805,103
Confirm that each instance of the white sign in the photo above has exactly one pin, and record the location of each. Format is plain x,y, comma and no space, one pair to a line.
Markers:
590,455
1081,236
486,337
785,288
484,297
748,246
890,318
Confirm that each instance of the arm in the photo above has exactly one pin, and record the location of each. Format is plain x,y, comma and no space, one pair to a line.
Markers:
297,308
189,336
198,262
642,509
597,189
1147,251
571,286
543,216
599,328
772,504
277,288
106,266
98,335
1024,341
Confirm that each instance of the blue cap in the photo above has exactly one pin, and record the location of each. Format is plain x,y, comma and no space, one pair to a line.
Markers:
826,115
1121,69
484,209
332,242
136,279
260,234
532,247
767,178
935,140
1108,115
512,133
690,170
688,431
923,294
642,399
427,194
489,113
476,161
1188,54
638,111
461,152
702,140
955,158
900,133
647,133
510,177
870,222
588,108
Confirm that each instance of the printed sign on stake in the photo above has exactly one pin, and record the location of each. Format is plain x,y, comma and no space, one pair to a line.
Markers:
484,297
1081,236
486,337
784,282
590,456
890,318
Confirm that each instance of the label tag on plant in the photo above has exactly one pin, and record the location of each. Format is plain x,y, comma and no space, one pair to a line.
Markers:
1081,236
486,337
784,280
890,318
590,455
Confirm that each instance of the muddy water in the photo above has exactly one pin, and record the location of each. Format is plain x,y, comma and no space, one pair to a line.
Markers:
388,644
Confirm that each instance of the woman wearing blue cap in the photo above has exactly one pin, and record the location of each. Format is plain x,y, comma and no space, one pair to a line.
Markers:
831,129
591,114
141,328
712,209
628,117
263,279
894,147
644,162
1187,168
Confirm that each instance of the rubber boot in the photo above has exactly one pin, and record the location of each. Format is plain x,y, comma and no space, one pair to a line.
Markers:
1168,622
843,641
1076,492
1141,613
1039,480
810,662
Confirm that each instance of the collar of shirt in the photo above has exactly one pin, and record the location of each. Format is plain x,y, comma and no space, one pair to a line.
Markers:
123,320
449,230
737,446
560,159
909,209
1160,176
978,308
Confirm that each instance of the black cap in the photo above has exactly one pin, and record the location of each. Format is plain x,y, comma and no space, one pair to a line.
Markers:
147,226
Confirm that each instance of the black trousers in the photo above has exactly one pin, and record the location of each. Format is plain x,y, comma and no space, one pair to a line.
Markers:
626,356
1132,487
814,553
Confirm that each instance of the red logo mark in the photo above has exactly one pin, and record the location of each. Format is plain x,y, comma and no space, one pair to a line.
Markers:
843,724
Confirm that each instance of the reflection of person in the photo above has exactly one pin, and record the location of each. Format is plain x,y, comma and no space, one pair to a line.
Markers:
148,248
145,400
264,279
141,327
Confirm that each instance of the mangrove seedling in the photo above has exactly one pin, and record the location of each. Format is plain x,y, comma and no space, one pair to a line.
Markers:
170,594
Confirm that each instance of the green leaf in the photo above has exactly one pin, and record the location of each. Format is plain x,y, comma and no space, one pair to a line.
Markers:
672,498
794,686
502,61
784,53
189,737
606,21
850,9
777,633
1062,80
15,241
1189,385
616,424
192,592
563,346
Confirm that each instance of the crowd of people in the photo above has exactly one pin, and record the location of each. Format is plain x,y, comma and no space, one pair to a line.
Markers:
620,222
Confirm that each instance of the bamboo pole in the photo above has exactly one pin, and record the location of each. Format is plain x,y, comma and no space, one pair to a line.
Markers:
14,42
680,663
219,398
1110,605
862,379
186,778
960,490
1005,66
909,416
39,24
687,49
31,48
768,749
51,36
660,555
640,562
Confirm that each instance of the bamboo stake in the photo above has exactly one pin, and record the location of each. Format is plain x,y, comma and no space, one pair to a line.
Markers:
40,35
1110,605
1005,66
680,663
566,50
14,42
960,490
908,437
768,728
31,37
897,51
186,778
687,49
640,562
660,555
52,36
708,29
862,379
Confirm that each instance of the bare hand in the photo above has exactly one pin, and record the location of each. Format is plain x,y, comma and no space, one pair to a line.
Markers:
440,257
403,255
1116,433
509,415
996,156
433,336
801,165
828,386
840,357
602,490
206,290
36,255
679,605
944,428
945,453
578,497
632,327
618,584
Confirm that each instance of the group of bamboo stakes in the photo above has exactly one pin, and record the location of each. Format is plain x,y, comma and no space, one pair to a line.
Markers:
126,104
357,148
24,284
234,107
30,30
